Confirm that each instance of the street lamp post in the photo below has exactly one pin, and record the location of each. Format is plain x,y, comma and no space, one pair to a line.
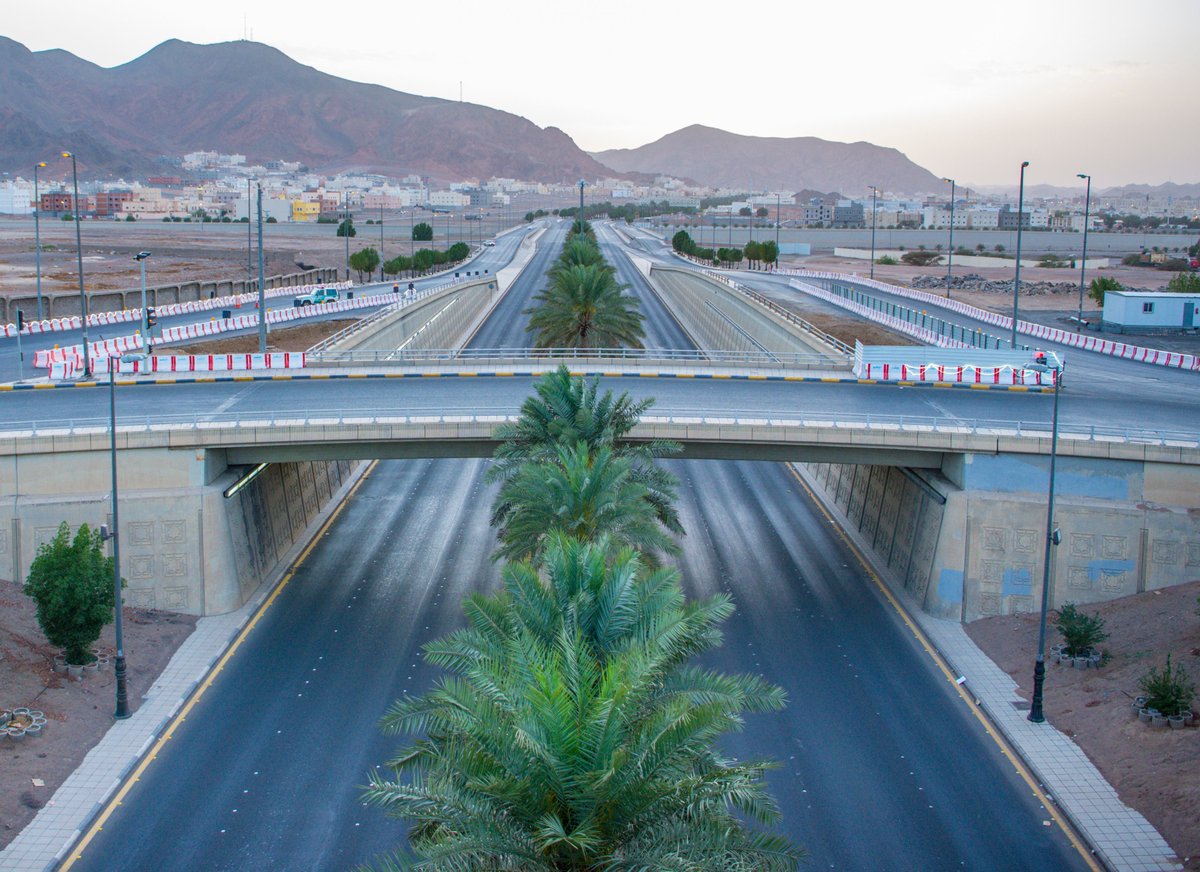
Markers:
874,194
250,238
1020,227
346,230
262,283
1053,537
122,706
140,257
581,184
950,262
1087,206
37,235
83,306
381,237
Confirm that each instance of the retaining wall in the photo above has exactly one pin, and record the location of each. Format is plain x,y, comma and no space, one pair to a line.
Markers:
184,546
1127,527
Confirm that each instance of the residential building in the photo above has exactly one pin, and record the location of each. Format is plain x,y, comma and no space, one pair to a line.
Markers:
109,202
305,210
847,213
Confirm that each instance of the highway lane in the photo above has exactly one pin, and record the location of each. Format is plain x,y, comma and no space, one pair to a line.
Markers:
489,258
882,765
506,328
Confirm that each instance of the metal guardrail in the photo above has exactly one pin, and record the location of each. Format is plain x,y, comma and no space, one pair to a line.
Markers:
434,415
501,356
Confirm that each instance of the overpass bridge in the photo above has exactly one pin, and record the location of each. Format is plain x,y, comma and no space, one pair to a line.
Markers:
951,484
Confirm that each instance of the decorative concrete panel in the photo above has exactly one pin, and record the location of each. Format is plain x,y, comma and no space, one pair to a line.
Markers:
1114,547
1082,544
141,533
174,532
995,539
175,598
175,565
989,603
3,541
1020,605
1114,580
44,536
1193,554
141,566
1025,541
141,597
1165,552
1078,578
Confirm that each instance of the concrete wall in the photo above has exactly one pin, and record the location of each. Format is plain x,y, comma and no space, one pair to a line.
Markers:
184,546
62,304
1127,527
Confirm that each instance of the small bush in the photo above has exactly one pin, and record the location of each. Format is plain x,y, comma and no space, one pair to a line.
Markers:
1052,261
886,260
921,258
1185,283
1099,287
1081,632
1168,691
1132,260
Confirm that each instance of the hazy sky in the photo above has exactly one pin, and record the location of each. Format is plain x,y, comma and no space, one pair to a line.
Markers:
966,89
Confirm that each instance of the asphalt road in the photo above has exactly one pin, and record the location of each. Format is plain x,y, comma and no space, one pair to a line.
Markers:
882,765
490,258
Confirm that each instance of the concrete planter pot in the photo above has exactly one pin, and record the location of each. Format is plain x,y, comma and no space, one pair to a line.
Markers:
1082,662
91,668
1158,720
75,670
1176,722
1188,718
60,663
1146,715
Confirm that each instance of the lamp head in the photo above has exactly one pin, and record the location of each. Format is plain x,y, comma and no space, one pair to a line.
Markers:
67,154
141,255
951,181
1082,176
1024,164
40,164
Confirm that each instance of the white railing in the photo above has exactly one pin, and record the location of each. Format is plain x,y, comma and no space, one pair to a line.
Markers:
1068,432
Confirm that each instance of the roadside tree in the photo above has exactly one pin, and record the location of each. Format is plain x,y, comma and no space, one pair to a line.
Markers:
364,261
422,232
584,307
71,581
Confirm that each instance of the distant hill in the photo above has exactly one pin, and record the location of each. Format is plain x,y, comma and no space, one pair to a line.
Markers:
752,163
1167,189
248,98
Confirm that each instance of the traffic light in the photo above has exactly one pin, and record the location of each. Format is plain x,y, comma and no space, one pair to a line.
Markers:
151,319
20,320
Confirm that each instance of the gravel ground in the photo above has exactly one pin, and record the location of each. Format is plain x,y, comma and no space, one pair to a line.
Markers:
78,712
1156,771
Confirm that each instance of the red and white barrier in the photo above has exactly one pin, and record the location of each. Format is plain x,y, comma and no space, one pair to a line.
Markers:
179,363
941,374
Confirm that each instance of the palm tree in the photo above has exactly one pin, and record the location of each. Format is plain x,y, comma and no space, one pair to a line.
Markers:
565,411
584,307
584,494
572,737
580,250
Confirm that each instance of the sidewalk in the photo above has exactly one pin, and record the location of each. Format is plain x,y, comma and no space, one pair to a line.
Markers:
1121,838
45,842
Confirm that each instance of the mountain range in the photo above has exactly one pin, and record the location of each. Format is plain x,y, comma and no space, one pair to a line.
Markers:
755,163
248,98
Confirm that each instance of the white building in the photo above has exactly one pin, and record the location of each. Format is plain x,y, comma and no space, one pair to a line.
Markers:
448,200
16,197
1150,312
983,219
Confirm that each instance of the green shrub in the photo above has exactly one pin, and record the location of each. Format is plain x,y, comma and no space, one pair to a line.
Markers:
1185,283
886,260
1081,632
71,582
1099,287
920,257
1168,691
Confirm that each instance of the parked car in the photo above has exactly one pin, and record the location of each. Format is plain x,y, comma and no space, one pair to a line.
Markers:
490,243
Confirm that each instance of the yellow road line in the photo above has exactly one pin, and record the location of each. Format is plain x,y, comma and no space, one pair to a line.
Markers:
133,777
1005,748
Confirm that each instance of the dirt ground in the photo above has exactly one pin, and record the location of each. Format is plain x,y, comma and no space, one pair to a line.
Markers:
78,712
1156,771
299,338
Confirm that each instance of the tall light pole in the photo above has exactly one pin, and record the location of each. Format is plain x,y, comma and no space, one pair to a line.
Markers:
1053,537
249,237
1020,226
346,230
777,230
37,236
381,237
581,184
950,263
83,306
874,194
122,706
1087,207
262,283
140,257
